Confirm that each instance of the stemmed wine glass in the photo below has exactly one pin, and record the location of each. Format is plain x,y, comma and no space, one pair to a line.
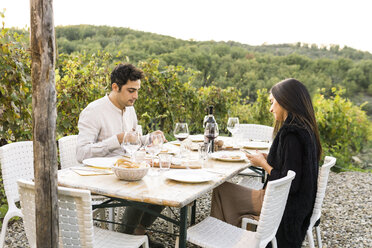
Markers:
131,142
181,131
232,126
153,146
211,132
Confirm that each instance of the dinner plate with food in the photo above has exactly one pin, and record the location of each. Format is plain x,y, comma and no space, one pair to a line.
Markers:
175,142
169,148
228,156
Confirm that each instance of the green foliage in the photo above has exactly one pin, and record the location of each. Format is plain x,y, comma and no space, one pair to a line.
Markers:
257,112
165,99
344,127
15,88
80,79
229,64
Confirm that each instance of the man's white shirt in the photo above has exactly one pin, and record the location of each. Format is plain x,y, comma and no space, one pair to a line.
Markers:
99,123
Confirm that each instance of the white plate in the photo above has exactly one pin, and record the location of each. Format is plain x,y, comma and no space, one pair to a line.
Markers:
197,138
100,162
169,148
175,142
256,145
228,156
189,176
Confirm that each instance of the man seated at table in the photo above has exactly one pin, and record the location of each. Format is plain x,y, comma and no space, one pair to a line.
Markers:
102,125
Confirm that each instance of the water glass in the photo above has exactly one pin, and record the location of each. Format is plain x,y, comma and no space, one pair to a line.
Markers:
153,146
139,129
185,149
203,153
139,156
165,161
131,142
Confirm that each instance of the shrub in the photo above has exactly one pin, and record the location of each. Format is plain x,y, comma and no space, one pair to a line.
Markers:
80,79
257,112
166,99
344,127
15,88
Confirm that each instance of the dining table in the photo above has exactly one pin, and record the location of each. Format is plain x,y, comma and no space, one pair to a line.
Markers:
161,189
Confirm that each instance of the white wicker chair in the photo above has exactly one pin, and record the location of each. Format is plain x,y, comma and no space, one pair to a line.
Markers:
75,221
17,161
67,157
67,151
212,232
329,162
253,132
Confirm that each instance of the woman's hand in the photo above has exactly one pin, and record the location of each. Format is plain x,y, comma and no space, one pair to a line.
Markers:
260,159
257,159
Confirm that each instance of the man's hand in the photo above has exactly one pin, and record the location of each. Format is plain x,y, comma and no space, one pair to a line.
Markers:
161,133
120,137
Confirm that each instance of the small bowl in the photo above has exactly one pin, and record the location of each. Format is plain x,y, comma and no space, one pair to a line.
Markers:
130,174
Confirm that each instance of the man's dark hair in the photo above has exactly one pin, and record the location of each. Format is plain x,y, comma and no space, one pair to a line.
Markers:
124,72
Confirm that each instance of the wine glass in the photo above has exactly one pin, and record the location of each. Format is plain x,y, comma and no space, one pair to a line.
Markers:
232,126
181,131
211,132
131,142
153,146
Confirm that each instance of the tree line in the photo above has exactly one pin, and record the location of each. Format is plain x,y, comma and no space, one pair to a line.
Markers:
231,64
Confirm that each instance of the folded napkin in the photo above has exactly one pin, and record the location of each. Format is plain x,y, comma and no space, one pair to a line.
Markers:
88,171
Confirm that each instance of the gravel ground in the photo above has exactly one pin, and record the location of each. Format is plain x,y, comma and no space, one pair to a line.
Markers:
346,215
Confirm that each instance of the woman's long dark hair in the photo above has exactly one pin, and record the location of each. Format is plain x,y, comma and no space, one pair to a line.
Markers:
293,96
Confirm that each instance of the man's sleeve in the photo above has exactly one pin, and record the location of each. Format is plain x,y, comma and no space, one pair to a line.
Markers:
87,146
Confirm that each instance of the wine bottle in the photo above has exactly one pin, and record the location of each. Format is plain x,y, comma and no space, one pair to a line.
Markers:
211,130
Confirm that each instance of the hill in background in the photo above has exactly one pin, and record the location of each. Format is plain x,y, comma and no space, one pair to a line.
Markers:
231,64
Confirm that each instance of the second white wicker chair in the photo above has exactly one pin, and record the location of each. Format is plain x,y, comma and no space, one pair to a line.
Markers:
17,161
214,233
329,162
253,132
75,221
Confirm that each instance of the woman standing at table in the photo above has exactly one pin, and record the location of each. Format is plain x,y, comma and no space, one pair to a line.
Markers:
296,147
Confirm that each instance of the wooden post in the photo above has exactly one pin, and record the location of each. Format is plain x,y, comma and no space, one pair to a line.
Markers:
44,122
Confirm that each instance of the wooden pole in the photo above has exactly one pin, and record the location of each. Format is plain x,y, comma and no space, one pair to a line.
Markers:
44,122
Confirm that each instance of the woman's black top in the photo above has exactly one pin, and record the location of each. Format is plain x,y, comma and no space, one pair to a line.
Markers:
294,148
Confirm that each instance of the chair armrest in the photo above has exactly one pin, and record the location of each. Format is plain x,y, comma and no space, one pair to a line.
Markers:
245,222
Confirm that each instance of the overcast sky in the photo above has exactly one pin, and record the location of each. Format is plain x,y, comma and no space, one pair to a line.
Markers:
252,22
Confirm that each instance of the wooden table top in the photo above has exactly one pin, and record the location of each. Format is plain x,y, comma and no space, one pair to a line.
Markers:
153,189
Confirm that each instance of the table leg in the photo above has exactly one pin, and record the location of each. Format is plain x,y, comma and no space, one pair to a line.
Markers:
183,227
193,213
